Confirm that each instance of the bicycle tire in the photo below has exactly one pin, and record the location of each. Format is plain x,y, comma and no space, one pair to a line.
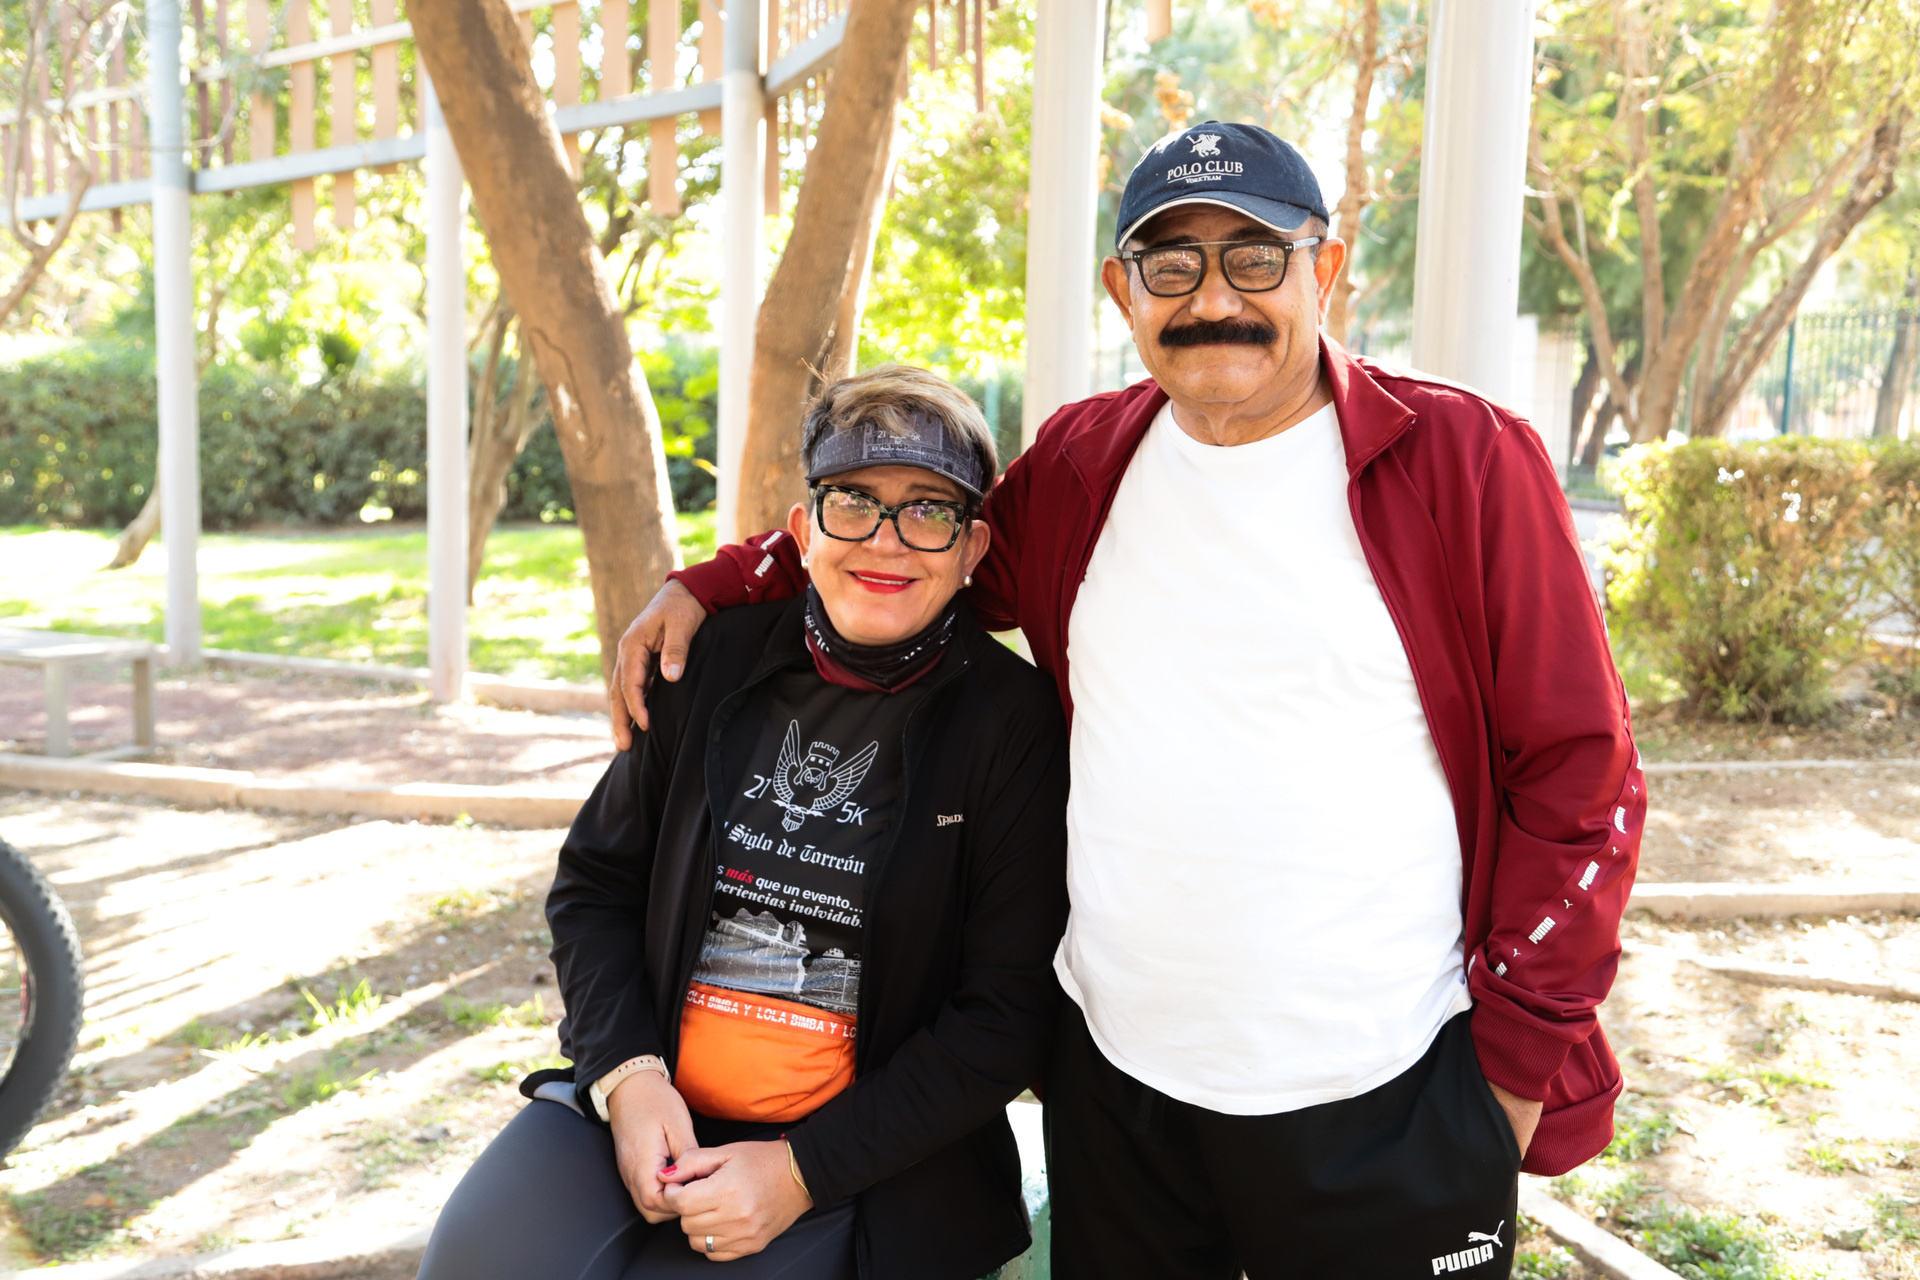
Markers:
52,988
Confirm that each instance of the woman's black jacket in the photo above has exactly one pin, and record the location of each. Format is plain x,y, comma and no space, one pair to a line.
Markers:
964,910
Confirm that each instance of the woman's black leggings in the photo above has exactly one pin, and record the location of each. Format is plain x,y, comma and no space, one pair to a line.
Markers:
545,1202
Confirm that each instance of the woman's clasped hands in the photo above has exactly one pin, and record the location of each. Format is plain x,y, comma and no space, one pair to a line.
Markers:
739,1196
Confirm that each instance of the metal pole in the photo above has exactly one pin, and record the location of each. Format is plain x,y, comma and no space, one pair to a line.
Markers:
1473,163
742,206
446,412
1063,187
176,389
1786,390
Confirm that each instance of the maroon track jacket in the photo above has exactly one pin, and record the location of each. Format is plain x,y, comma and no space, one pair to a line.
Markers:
1470,540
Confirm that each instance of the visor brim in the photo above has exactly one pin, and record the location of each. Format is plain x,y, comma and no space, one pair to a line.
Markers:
1281,217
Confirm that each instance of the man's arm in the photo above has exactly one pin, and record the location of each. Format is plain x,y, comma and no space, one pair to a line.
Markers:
767,567
1573,796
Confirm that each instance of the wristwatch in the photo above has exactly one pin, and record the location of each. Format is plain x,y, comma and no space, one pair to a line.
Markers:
606,1084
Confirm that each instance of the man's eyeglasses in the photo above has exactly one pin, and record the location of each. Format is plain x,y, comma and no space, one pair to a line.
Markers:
1251,266
923,524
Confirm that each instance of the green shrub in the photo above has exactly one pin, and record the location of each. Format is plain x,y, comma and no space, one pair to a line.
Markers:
78,436
1740,569
1895,526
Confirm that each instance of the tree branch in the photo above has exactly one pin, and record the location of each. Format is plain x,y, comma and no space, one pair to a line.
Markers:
1358,192
1876,179
1635,103
1554,232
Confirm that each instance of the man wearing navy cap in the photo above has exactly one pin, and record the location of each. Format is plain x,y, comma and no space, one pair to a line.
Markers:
1355,806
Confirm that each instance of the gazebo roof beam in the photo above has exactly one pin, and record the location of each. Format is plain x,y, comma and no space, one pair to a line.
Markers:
100,197
312,49
814,54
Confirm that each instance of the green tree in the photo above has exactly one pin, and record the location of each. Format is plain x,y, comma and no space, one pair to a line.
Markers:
1758,135
949,267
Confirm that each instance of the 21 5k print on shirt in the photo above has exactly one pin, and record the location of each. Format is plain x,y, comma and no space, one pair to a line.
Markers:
767,1031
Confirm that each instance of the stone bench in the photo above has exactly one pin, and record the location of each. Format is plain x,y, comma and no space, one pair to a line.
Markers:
56,653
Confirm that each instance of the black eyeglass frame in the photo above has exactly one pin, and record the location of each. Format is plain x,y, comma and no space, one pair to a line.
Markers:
1139,256
962,509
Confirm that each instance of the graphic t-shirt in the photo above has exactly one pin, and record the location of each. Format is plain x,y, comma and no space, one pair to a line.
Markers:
767,1030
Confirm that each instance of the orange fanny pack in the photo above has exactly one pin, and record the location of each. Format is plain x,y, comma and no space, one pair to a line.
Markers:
749,1057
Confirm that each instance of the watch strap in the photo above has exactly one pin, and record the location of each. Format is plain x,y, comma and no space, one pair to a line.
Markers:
603,1088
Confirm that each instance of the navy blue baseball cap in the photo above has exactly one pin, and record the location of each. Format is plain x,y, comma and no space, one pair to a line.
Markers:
1237,166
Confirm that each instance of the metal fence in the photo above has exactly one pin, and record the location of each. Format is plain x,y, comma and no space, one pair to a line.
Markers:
1387,337
1837,374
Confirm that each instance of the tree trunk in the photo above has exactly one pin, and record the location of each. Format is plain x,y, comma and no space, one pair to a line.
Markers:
1630,20
544,252
1597,438
500,434
135,537
794,333
1359,189
1580,412
1897,381
843,356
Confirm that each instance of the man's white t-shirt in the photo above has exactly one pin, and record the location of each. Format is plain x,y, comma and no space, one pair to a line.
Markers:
1262,854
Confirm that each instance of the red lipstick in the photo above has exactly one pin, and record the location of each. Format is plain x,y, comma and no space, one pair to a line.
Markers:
885,584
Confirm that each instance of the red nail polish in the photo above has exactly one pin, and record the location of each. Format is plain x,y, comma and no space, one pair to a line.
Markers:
668,1171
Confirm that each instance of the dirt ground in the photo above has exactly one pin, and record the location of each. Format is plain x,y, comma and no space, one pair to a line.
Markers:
211,1103
338,732
1784,824
1766,1133
1869,726
1796,1111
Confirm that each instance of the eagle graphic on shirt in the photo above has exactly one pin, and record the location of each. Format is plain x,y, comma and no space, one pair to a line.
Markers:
814,770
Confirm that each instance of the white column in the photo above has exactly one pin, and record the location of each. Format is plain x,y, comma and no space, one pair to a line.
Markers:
742,207
177,389
446,412
1062,188
1473,168
1553,393
1522,353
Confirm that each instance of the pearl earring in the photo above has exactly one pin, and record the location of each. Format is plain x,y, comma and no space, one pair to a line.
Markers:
967,581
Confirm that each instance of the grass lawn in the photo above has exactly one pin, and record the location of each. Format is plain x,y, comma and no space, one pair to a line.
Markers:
354,594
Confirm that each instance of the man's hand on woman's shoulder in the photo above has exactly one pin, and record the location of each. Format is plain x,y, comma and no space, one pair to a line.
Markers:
665,627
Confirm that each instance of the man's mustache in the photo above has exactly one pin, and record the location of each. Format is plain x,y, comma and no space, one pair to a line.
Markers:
1238,332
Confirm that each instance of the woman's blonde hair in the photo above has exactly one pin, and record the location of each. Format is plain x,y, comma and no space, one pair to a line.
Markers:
888,396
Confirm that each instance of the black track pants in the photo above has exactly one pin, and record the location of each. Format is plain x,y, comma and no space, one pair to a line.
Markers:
545,1202
1415,1178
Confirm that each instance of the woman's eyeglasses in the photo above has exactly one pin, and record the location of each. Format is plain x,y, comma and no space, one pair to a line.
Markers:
1251,266
923,524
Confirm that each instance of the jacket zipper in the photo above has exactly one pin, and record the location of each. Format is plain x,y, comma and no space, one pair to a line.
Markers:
1413,668
886,855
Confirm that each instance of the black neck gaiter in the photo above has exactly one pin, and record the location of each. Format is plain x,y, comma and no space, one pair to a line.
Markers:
887,665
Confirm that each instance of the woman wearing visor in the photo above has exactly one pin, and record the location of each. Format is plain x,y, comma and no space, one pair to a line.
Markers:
804,927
